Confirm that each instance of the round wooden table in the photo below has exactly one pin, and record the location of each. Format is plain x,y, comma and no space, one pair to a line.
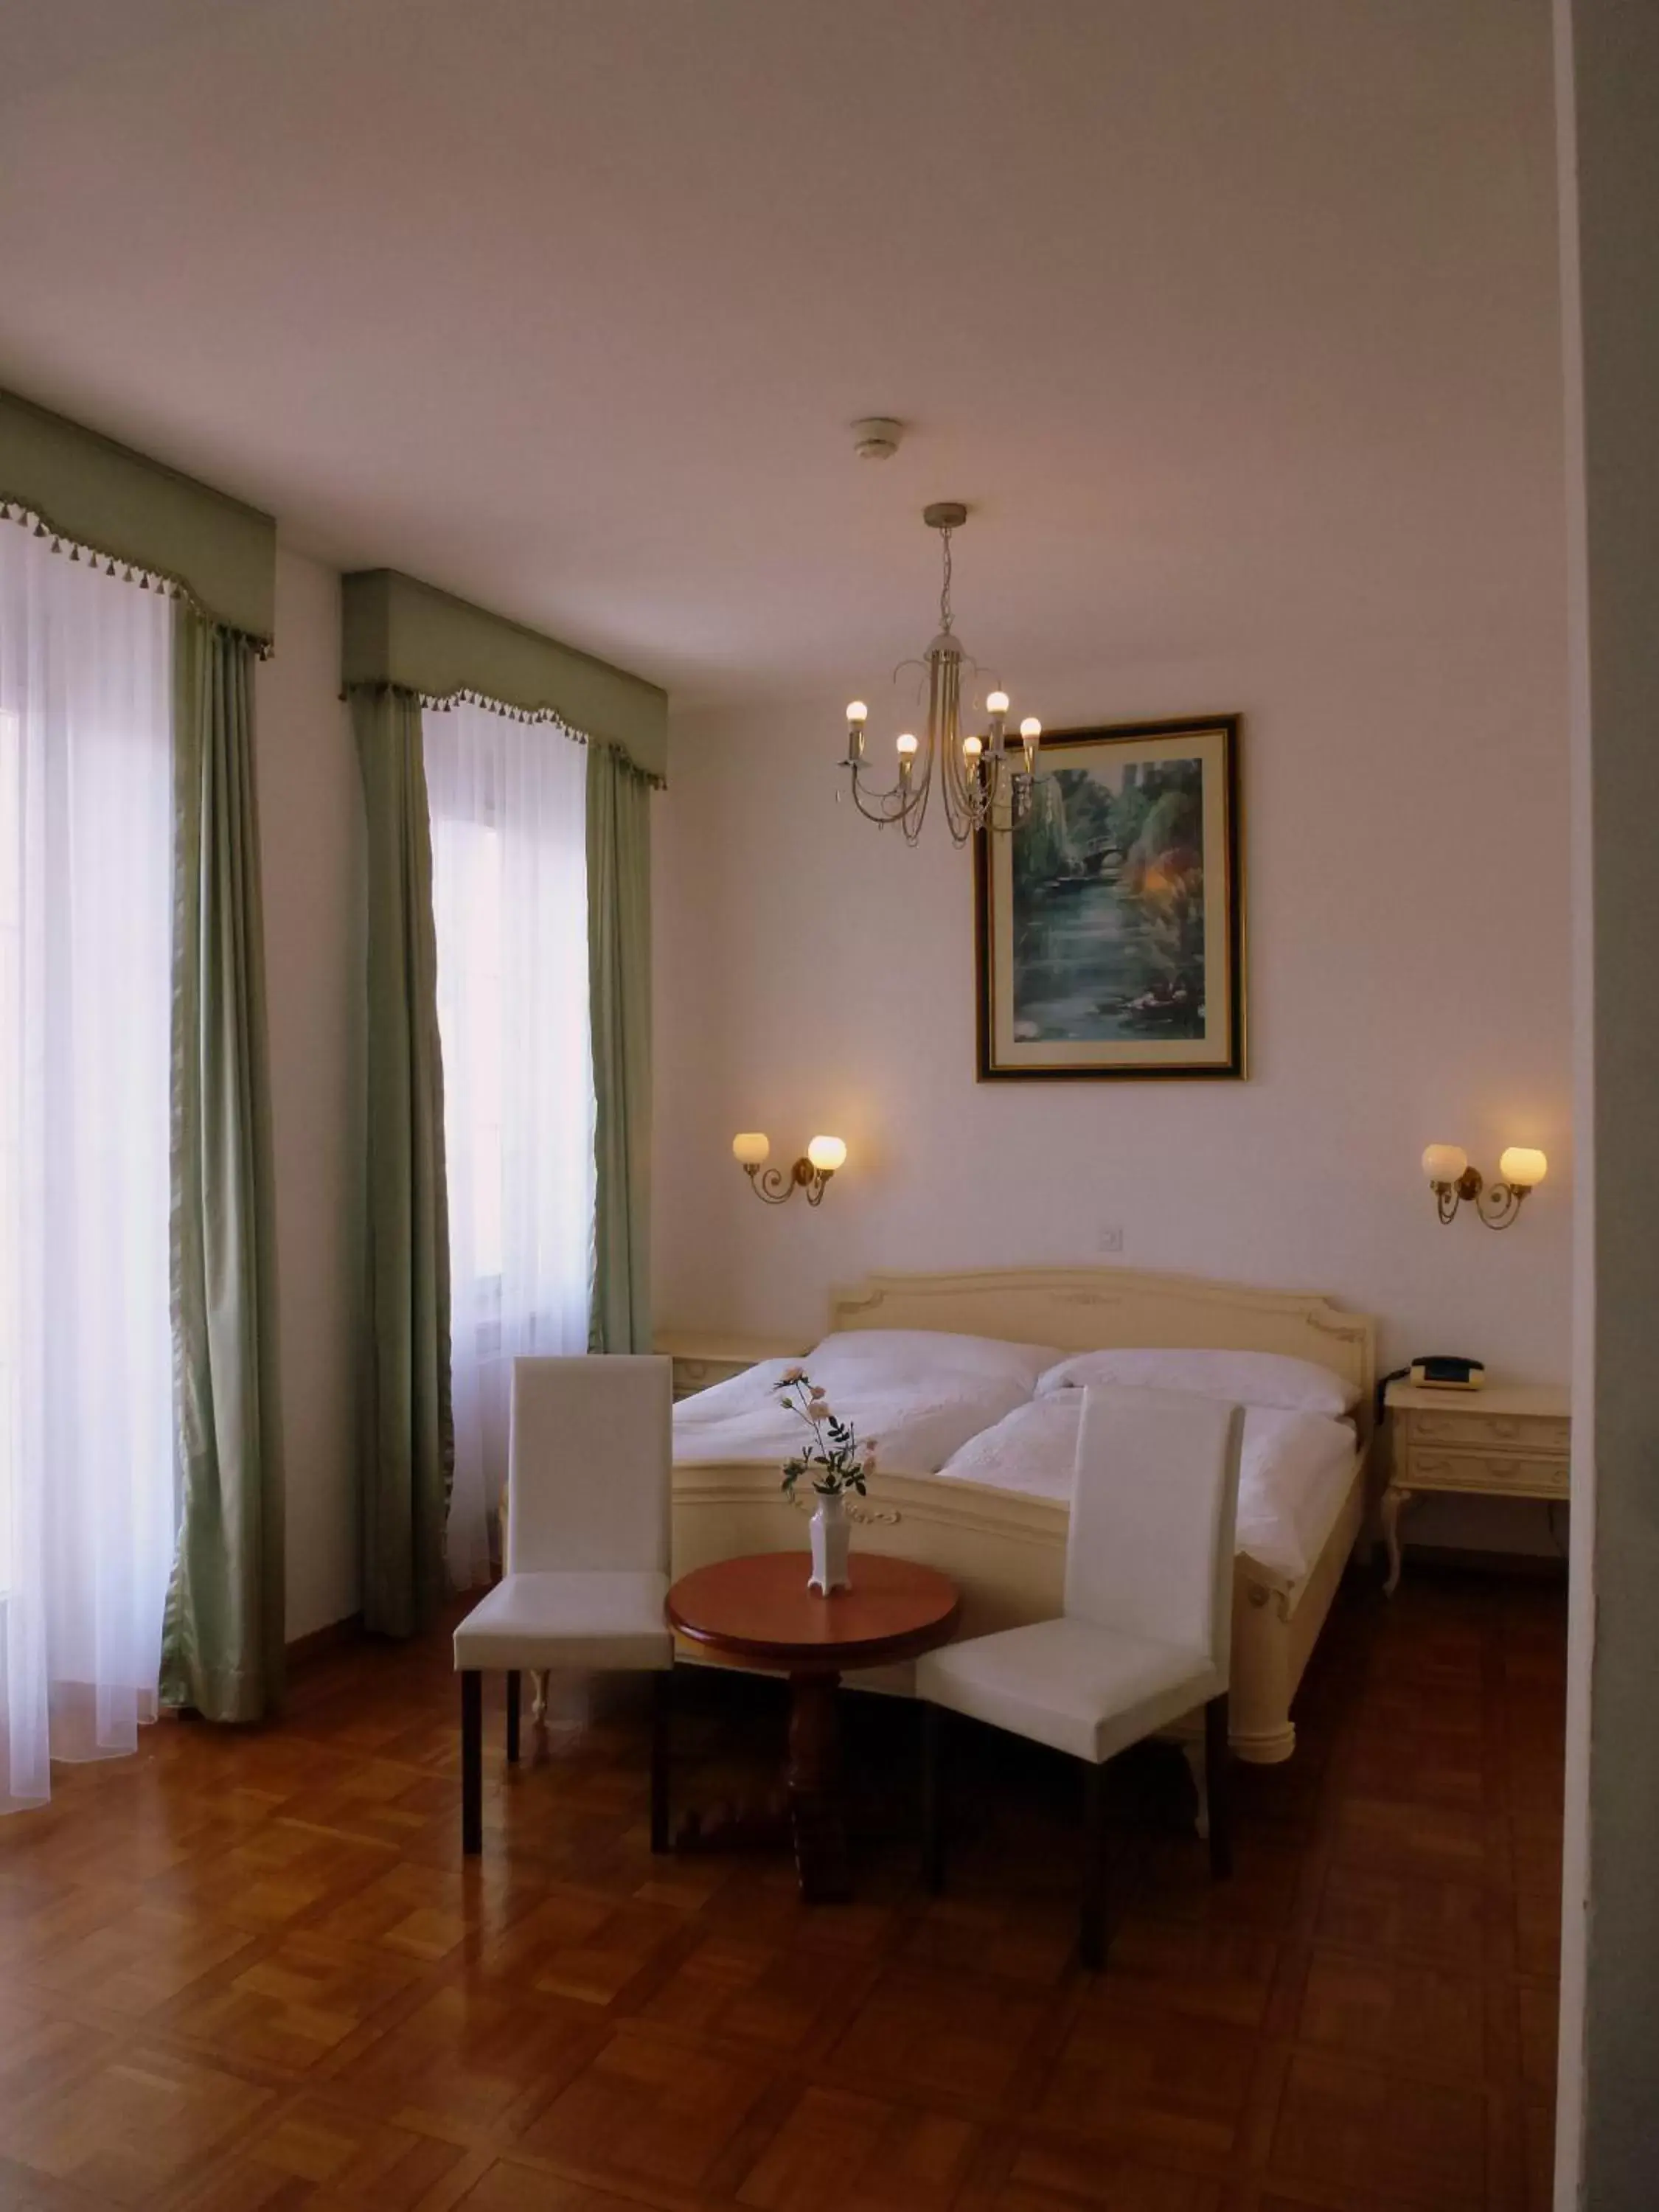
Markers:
759,1610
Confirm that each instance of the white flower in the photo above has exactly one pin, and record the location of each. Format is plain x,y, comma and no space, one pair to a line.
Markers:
822,1410
793,1375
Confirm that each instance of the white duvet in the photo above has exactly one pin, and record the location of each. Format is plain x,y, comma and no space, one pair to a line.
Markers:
1293,1475
964,1409
918,1400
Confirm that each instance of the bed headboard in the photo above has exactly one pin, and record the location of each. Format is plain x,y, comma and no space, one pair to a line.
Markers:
1087,1308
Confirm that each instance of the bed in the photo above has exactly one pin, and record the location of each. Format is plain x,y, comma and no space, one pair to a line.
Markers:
1003,1540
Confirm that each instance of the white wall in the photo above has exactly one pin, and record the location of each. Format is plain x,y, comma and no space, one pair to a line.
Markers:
1406,805
311,840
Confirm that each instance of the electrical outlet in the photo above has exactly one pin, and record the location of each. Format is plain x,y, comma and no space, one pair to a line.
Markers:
1110,1237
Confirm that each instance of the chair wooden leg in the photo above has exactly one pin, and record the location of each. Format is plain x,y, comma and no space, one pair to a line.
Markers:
1093,1938
932,1798
1217,1786
471,1763
512,1679
662,1703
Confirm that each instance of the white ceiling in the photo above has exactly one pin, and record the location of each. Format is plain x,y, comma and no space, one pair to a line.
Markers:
1229,318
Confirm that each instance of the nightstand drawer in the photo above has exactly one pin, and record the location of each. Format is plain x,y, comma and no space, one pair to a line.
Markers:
1495,1473
703,1358
1469,1430
691,1376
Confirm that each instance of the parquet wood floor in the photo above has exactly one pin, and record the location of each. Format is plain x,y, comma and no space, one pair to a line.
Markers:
248,1971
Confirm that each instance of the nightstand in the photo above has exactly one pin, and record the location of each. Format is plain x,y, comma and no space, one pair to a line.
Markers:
1502,1442
703,1357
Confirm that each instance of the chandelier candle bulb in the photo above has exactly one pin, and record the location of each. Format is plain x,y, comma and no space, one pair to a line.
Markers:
971,750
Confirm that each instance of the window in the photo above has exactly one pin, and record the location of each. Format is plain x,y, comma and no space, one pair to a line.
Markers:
474,1009
87,1505
509,865
11,1099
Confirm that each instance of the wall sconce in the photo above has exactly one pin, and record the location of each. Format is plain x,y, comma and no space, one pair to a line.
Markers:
811,1173
1454,1182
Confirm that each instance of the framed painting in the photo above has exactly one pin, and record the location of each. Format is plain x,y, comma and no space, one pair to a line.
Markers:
1110,919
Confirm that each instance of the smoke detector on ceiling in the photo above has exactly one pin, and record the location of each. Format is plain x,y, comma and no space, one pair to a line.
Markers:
877,438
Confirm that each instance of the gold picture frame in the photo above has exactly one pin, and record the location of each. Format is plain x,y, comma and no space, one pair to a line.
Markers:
1109,924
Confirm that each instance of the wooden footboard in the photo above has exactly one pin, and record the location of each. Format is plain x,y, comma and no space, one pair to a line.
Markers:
1008,1555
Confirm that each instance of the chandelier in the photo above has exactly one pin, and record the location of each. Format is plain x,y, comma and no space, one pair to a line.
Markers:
985,773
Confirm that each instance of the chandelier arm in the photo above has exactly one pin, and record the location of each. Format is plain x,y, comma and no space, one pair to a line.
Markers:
922,783
892,804
942,718
968,795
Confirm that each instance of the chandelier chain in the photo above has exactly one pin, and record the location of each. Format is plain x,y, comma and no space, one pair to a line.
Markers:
944,588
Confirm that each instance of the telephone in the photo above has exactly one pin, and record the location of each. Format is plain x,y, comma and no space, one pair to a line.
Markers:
1441,1370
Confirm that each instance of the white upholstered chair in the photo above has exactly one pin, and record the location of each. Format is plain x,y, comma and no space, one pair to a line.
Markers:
1146,1634
585,1571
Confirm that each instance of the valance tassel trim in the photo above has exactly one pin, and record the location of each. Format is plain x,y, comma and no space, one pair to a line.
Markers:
545,717
128,572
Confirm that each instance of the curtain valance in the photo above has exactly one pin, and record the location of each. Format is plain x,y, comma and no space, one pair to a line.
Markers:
400,631
169,530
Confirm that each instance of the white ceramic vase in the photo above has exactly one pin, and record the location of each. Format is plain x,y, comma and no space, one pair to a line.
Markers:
830,1532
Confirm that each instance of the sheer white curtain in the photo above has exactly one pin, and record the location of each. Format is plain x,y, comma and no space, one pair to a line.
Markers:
87,1514
509,875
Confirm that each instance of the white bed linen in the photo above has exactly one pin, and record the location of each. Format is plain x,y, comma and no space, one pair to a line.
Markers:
1294,1473
918,1403
1240,1379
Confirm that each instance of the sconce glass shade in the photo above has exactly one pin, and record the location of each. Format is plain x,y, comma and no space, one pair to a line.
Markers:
751,1147
1444,1163
1522,1166
826,1154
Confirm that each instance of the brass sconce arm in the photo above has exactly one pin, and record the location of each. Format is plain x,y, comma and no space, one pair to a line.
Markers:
1456,1183
773,1185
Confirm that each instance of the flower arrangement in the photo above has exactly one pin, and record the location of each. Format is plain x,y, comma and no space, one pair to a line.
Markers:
832,1456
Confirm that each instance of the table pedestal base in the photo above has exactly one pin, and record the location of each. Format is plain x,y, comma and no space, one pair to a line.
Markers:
817,1804
814,1823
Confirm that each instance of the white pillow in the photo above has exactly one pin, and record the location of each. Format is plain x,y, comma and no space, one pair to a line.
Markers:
901,1353
1244,1378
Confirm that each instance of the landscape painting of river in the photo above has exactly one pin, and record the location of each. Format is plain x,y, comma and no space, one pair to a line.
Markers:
1110,929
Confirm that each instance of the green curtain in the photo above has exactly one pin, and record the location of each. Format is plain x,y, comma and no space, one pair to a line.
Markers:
619,993
410,1454
222,1649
